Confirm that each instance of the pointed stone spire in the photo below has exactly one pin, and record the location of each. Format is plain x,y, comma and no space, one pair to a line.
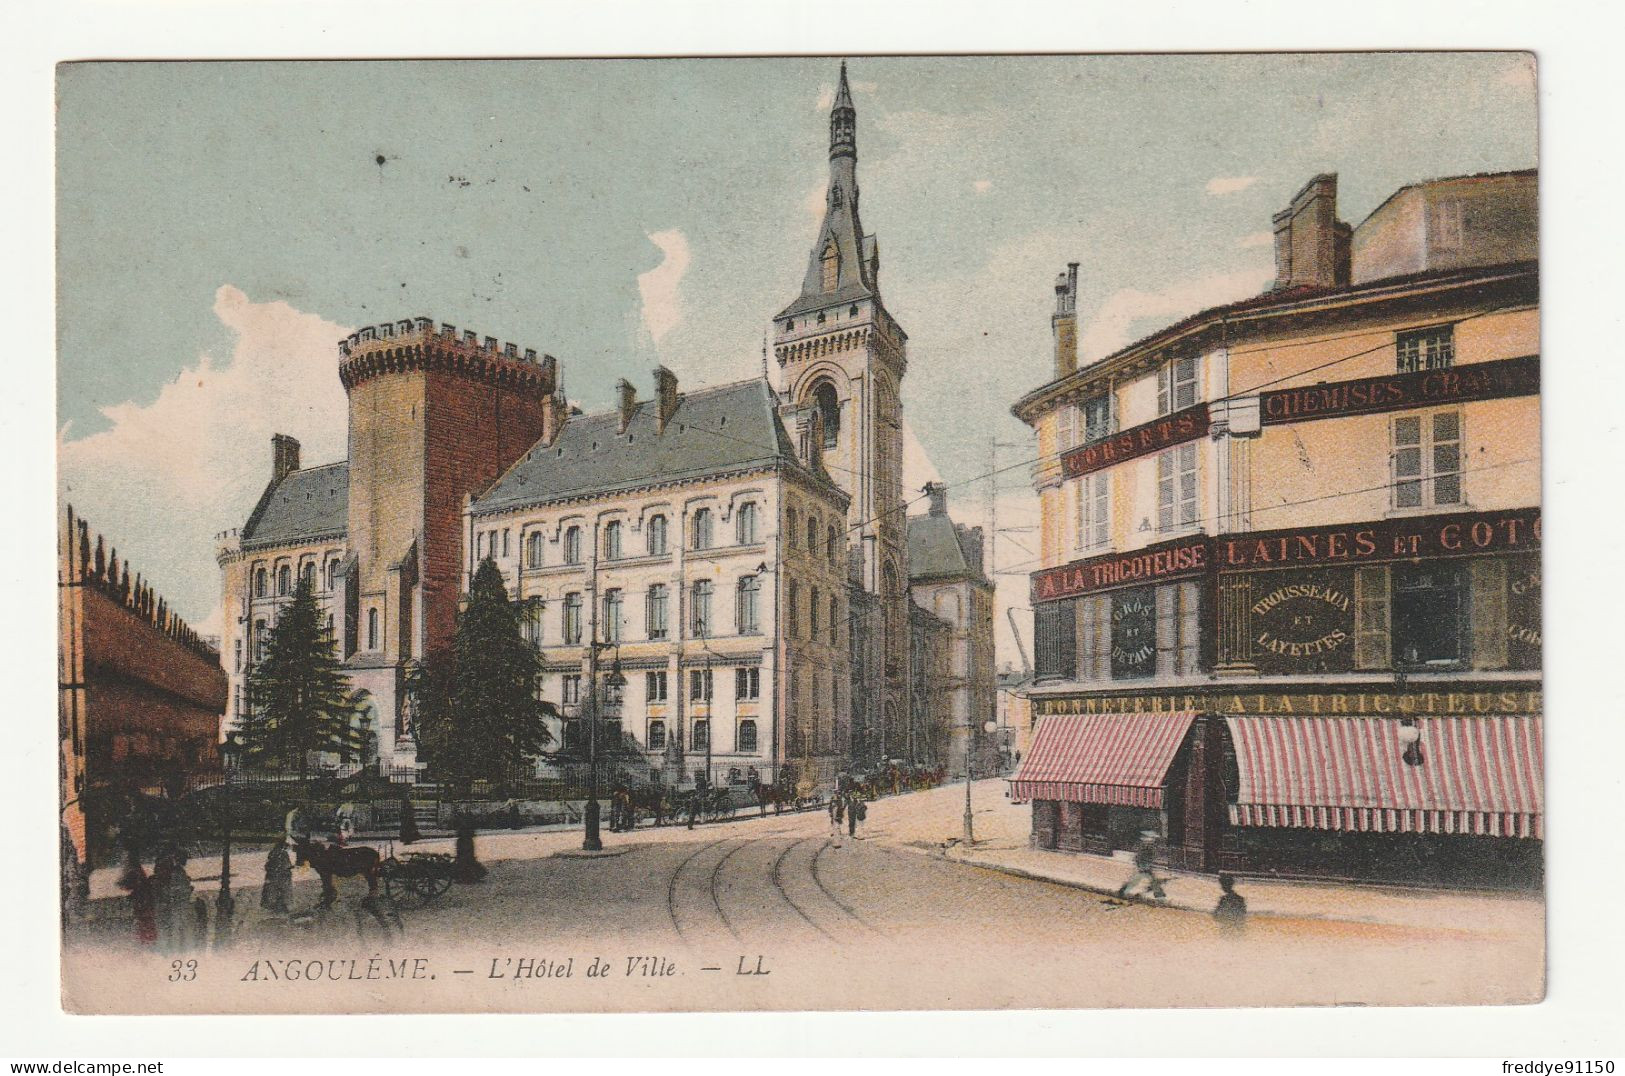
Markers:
839,269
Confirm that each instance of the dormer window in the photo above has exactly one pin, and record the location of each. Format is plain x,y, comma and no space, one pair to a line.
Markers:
831,265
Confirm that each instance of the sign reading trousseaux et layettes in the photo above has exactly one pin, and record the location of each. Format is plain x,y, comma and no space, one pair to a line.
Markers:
1457,534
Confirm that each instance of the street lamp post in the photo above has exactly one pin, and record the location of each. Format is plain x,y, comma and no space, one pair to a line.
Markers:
591,841
970,754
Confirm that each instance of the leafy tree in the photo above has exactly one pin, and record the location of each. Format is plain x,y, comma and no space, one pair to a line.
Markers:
475,710
299,698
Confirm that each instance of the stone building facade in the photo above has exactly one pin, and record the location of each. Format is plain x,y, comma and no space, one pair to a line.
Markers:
948,580
139,693
1291,556
692,540
839,350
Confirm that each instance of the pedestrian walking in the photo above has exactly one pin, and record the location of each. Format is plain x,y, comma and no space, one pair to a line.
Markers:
1231,912
835,815
135,882
409,820
855,812
1145,859
277,888
172,894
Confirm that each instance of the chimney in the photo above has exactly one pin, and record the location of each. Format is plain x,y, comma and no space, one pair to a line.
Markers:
665,397
938,494
975,549
1312,247
1065,321
284,456
628,397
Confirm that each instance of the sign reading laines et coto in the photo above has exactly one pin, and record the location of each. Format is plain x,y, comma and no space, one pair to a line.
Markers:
1398,392
1458,534
1136,441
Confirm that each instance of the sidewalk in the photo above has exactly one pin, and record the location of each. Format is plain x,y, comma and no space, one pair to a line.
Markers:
931,823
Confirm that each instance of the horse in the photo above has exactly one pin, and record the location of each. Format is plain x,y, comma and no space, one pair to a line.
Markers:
344,862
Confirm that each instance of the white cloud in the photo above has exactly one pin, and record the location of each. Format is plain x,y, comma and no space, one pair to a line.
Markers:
1222,185
1122,317
1256,239
165,477
662,308
982,186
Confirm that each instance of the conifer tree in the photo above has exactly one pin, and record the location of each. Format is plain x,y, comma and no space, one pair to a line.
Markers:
476,713
299,698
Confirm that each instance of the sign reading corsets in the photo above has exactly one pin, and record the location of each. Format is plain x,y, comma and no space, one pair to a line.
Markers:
1136,441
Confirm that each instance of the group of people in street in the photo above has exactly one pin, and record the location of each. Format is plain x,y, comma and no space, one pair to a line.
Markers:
1231,911
165,910
847,807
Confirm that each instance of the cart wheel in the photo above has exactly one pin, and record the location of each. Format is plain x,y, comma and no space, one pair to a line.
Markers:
395,886
425,887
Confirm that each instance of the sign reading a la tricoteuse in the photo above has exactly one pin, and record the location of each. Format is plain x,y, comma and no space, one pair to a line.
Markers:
1170,560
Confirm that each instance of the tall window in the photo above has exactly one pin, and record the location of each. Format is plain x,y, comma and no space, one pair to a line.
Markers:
1176,385
572,546
533,549
834,621
657,735
1176,488
654,687
657,536
812,534
612,540
1092,505
747,684
812,613
654,608
747,736
746,605
829,407
259,582
790,520
701,735
260,637
572,688
1425,349
612,615
701,621
308,571
833,541
700,684
332,572
505,541
372,629
745,523
284,576
572,619
1427,459
702,529
792,608
829,264
1096,418
530,621
1066,427
1178,626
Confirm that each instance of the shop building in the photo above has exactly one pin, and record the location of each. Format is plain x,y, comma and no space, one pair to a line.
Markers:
1289,611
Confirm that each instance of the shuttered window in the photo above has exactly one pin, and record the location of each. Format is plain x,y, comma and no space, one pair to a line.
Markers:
1176,488
1054,639
1487,601
1372,646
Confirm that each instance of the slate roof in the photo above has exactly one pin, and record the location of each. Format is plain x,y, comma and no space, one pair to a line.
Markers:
312,503
727,428
935,549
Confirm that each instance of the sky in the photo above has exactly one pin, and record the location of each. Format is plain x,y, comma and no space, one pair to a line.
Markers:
222,225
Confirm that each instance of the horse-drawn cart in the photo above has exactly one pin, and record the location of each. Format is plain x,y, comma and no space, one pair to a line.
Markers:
417,877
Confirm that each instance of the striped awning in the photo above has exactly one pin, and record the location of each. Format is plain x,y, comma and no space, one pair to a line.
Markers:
1119,759
1477,775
